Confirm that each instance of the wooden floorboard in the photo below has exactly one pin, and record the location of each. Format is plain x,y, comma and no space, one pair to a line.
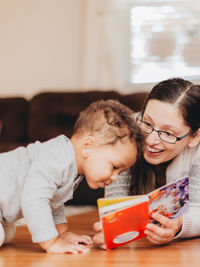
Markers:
23,253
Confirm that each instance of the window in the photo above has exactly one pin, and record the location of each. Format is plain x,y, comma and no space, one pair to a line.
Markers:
164,40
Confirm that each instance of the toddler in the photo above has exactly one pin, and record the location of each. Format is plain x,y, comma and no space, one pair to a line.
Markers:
36,181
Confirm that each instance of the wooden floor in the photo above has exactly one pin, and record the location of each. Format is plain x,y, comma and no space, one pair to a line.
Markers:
22,252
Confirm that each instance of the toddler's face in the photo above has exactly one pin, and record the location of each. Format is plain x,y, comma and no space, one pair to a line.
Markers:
105,163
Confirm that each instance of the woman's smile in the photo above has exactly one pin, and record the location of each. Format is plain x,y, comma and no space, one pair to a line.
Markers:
154,150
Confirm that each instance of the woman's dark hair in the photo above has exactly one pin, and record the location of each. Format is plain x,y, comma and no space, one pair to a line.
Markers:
186,96
182,93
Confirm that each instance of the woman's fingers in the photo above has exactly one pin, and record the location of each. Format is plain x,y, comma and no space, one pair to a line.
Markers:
97,227
99,237
164,231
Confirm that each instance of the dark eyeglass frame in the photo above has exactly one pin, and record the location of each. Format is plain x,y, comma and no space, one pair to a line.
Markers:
160,132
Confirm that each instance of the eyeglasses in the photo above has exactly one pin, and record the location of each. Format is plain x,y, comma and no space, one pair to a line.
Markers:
164,136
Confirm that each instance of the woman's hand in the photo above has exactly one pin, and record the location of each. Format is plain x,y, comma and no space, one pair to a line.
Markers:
155,233
163,232
99,237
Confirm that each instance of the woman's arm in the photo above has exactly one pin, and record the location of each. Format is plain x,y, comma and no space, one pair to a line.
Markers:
191,223
186,226
187,164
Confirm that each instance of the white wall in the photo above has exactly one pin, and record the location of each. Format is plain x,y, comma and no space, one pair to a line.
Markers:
40,44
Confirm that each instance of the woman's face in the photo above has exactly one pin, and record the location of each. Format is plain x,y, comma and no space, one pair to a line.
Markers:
166,117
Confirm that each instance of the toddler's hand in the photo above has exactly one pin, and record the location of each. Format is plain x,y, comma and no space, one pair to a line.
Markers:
61,246
75,239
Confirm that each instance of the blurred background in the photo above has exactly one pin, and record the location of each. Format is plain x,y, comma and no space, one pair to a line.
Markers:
79,45
57,56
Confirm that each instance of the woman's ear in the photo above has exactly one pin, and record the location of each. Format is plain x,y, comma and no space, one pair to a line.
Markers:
88,145
195,140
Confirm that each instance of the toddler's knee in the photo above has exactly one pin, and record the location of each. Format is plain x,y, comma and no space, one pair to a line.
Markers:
2,235
9,230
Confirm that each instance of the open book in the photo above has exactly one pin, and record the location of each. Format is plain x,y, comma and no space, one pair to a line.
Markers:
124,219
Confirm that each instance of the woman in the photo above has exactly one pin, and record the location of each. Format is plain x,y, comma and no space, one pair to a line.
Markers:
170,121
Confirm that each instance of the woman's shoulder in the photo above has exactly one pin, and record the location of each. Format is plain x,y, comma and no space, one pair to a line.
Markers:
193,152
184,163
190,153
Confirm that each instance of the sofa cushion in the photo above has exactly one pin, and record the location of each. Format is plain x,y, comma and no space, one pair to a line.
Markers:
0,127
13,117
6,146
134,101
52,114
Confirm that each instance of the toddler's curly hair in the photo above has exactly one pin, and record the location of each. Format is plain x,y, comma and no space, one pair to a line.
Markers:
111,121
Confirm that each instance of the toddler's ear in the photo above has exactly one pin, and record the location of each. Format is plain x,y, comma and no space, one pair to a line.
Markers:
88,146
195,139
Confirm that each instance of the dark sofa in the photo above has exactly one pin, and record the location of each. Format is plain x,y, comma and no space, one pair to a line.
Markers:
50,114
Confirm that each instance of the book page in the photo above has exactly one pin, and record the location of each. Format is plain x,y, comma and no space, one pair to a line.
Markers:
171,200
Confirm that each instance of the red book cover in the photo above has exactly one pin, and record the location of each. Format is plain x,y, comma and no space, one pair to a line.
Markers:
124,219
123,226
